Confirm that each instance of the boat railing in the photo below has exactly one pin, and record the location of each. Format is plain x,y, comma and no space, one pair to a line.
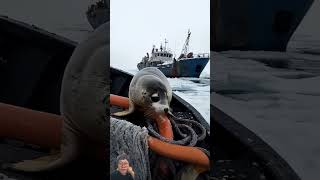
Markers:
199,55
202,55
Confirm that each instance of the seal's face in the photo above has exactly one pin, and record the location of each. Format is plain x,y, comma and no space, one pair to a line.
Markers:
155,97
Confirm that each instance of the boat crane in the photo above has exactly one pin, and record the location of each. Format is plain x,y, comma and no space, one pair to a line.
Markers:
185,48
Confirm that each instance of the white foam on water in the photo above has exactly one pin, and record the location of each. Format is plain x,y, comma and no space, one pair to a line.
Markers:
196,94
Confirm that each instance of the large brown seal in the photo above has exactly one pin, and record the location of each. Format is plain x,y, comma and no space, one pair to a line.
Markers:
84,104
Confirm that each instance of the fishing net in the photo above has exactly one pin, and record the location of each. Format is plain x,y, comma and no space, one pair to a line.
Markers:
128,138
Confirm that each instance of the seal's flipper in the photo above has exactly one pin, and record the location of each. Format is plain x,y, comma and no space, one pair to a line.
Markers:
122,113
126,112
45,163
35,164
190,172
70,150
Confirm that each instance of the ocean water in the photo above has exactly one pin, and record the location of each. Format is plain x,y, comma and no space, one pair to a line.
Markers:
277,95
195,91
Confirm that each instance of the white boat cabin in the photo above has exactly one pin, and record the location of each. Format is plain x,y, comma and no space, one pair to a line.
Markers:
161,55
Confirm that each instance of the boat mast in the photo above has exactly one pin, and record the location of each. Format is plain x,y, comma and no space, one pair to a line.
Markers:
185,48
165,44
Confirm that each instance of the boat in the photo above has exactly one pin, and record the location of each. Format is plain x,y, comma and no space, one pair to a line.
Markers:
255,25
187,65
98,13
32,65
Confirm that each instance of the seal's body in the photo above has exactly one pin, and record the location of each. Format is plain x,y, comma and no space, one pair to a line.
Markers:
149,92
83,102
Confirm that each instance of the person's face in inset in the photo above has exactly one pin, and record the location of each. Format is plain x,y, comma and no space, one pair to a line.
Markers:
123,166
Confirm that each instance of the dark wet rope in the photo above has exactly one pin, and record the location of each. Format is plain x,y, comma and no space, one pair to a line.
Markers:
190,140
176,128
183,129
196,124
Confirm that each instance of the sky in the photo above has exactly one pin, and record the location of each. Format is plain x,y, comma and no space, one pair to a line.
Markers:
138,25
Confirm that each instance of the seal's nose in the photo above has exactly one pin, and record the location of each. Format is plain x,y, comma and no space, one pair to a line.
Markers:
166,110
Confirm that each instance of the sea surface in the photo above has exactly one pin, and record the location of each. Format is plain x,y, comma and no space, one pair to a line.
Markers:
277,95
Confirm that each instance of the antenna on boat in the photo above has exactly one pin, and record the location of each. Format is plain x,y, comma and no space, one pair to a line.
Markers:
153,47
185,48
165,44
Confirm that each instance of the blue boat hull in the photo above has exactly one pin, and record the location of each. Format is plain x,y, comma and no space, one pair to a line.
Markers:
190,67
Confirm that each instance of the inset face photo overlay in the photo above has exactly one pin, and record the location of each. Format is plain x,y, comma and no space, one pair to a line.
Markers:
160,89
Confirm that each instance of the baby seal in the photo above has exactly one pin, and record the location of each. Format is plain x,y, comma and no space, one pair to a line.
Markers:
83,103
149,92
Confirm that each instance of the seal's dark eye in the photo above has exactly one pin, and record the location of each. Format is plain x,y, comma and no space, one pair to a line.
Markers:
155,97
